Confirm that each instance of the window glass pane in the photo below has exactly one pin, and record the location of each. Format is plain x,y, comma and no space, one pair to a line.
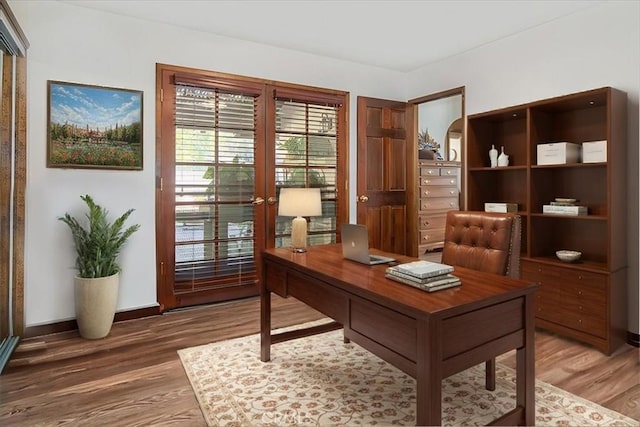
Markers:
306,156
214,185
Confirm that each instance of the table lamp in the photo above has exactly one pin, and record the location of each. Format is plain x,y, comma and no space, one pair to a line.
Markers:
298,203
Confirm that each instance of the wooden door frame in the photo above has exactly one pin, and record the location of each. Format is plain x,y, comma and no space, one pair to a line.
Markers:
13,167
413,235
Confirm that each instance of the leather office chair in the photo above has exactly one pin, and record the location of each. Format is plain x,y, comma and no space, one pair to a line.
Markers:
484,241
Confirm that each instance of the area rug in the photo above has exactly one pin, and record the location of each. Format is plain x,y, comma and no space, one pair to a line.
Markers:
322,381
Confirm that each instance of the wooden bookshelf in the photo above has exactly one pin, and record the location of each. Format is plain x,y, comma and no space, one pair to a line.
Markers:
584,300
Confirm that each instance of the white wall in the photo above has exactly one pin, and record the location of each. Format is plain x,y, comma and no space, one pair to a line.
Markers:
593,48
75,44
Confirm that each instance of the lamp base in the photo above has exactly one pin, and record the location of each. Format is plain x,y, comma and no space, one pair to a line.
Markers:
299,234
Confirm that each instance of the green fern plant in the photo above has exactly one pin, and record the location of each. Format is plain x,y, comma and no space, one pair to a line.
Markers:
97,247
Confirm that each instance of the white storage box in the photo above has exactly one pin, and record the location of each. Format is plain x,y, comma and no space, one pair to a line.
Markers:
501,207
558,153
594,152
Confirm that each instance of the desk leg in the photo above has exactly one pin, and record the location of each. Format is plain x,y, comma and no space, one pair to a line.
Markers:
429,375
265,324
525,367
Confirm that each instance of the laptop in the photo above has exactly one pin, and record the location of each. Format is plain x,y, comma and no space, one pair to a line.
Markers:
355,245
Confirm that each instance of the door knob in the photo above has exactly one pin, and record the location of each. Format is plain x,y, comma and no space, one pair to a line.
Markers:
272,200
363,199
258,201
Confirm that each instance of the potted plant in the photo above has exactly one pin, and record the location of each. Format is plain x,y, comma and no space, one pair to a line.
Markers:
96,285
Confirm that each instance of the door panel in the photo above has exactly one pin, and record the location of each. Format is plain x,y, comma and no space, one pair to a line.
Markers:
382,160
207,248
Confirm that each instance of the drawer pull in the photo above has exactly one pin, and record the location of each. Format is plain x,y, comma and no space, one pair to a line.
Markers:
426,193
430,172
453,181
426,181
452,192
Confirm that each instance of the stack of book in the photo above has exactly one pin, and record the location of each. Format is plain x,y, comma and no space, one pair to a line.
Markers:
562,206
426,275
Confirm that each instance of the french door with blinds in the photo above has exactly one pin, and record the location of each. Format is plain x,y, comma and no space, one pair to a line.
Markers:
226,145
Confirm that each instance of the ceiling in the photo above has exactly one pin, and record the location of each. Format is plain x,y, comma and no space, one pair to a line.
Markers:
396,35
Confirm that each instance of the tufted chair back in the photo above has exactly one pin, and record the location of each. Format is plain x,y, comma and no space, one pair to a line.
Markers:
484,241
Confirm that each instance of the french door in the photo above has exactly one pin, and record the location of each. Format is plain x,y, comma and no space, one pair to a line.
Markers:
226,145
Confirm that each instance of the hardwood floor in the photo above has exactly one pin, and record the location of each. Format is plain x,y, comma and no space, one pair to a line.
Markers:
134,376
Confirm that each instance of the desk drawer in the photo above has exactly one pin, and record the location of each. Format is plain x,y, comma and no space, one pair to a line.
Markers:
469,330
386,327
276,279
324,298
432,222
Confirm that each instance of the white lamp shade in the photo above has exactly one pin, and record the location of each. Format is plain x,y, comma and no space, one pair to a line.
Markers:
299,202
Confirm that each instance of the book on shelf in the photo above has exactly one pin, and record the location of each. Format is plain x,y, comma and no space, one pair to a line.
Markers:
444,282
562,203
500,207
423,269
564,210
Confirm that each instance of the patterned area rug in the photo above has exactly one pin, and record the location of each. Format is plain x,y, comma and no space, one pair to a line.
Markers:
322,381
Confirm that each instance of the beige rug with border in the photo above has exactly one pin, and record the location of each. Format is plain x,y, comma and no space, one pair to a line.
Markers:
322,381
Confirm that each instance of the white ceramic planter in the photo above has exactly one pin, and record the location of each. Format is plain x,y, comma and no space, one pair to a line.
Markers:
96,301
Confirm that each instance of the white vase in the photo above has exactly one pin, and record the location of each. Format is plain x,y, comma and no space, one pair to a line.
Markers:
503,159
95,303
493,156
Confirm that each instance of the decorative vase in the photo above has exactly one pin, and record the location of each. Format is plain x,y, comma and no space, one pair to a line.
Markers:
95,301
493,156
503,159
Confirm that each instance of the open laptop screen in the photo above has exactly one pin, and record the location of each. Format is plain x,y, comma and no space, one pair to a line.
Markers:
355,245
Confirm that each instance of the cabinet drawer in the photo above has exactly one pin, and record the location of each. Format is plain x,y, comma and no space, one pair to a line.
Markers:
431,236
449,171
439,180
429,171
428,222
572,298
438,191
441,203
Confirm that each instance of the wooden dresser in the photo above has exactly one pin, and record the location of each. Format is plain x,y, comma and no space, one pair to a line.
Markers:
439,193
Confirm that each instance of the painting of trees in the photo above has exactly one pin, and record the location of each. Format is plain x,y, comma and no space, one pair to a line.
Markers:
94,127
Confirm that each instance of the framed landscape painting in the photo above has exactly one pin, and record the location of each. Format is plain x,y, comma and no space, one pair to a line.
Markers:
93,127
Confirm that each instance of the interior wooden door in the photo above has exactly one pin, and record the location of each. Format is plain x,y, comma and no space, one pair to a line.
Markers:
382,172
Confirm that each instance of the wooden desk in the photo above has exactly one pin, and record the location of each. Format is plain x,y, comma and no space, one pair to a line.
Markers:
430,336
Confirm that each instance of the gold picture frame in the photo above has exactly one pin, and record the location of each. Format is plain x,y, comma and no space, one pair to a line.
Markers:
93,127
